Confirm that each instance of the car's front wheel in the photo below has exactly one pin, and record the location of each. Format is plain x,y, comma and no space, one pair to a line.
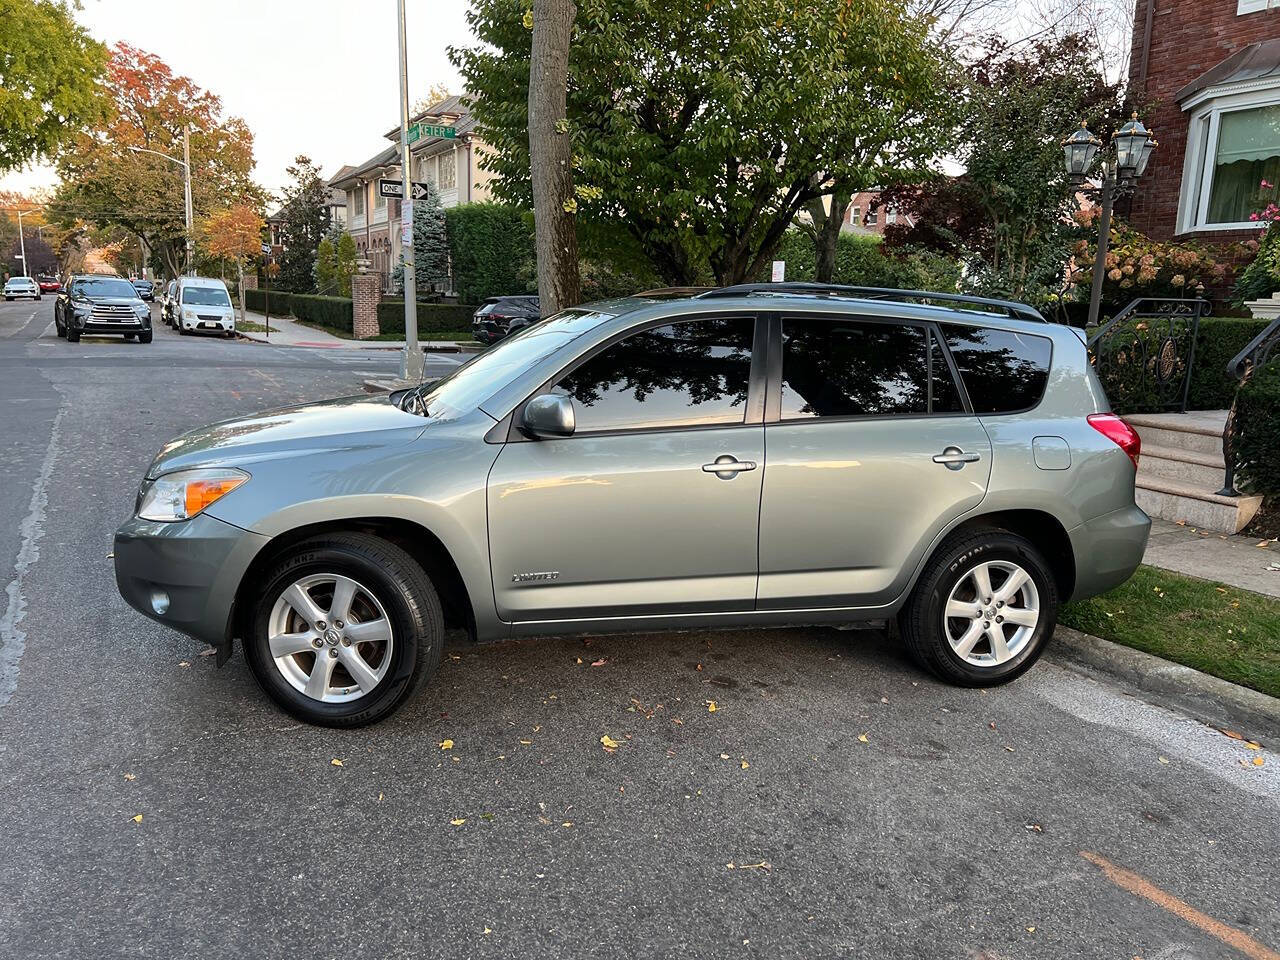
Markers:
346,629
983,609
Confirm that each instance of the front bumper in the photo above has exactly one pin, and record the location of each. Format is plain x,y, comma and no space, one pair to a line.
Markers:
1108,549
197,564
208,324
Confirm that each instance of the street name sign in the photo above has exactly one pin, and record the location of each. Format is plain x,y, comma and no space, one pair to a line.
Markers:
419,130
395,189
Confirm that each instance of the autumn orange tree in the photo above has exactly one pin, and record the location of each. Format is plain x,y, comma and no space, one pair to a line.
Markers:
234,234
105,183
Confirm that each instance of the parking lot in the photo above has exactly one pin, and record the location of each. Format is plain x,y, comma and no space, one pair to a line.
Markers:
792,792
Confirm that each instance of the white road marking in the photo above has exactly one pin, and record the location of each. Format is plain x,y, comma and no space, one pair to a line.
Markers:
12,639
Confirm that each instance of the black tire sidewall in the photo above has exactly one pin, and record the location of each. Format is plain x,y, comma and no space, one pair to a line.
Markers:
953,565
405,635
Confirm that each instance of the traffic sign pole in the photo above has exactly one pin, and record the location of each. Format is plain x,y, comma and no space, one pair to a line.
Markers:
411,366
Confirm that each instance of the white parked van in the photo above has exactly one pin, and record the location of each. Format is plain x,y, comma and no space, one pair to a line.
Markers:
203,306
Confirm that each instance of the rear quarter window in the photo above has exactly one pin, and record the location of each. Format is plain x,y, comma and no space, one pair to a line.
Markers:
1003,371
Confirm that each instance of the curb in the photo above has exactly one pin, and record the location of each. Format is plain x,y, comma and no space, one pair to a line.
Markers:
1216,702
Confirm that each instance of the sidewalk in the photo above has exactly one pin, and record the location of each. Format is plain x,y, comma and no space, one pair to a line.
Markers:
1234,560
286,332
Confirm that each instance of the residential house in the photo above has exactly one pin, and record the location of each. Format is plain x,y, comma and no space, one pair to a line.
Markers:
335,210
450,164
1210,70
866,215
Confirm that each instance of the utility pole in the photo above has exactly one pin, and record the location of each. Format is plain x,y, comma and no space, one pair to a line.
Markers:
186,189
411,365
22,242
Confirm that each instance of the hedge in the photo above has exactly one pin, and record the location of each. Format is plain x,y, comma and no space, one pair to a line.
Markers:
1257,441
1220,339
432,317
334,313
491,245
281,302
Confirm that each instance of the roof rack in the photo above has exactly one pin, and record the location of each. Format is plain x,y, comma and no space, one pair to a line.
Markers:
1019,311
672,293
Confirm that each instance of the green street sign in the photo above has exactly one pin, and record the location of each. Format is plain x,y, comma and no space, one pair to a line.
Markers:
419,130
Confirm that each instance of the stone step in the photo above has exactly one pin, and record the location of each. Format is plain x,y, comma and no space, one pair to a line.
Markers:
1176,500
1203,470
1166,431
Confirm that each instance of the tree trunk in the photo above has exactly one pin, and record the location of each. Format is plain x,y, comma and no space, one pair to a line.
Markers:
826,232
550,157
240,285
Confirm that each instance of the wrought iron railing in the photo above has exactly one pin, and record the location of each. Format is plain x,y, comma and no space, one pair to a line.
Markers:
1145,354
1254,355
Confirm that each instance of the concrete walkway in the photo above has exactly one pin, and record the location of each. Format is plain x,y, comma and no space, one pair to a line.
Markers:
286,332
1235,560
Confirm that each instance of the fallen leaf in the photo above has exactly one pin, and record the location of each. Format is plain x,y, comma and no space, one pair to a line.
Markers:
487,931
487,816
446,744
862,738
1010,749
1253,744
598,663
1263,544
527,742
335,762
745,764
1164,759
711,706
1257,761
1232,734
698,667
678,721
992,724
379,796
138,818
208,651
184,663
1221,589
111,556
1031,929
1035,828
459,822
884,699
609,743
567,823
579,659
724,756
130,776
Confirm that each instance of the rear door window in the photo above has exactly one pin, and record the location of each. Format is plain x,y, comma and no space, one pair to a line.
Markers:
1003,371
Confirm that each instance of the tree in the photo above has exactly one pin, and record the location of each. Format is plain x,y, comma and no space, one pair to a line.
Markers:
326,268
304,219
435,93
50,70
430,242
345,263
555,234
107,184
235,234
704,129
1008,214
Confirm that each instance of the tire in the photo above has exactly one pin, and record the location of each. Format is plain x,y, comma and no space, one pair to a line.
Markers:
129,336
939,643
73,336
387,583
145,337
182,331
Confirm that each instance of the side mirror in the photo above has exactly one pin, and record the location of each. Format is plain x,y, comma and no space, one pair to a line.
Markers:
548,416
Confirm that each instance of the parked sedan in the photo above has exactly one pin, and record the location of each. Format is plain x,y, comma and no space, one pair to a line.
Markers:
16,288
500,316
101,304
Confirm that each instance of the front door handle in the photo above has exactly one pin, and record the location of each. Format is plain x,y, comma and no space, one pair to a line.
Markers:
953,458
727,466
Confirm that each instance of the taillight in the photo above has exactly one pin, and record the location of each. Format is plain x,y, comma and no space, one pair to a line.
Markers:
1119,432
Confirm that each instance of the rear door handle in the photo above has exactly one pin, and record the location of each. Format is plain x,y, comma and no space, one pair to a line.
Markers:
727,466
953,458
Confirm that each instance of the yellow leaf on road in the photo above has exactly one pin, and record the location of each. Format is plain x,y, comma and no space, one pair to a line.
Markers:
862,738
446,744
567,823
459,822
129,776
138,818
711,706
335,762
609,742
745,764
1257,761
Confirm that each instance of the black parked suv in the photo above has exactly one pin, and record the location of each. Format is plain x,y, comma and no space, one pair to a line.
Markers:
146,289
500,316
101,304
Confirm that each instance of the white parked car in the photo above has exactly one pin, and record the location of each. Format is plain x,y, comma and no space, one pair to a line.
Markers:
17,287
203,306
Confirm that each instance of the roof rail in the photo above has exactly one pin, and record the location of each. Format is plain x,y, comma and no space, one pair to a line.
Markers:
672,293
1019,311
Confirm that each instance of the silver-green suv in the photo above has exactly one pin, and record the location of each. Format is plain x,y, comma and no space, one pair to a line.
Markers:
767,454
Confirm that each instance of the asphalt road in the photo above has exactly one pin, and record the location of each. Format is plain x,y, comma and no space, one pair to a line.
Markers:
836,803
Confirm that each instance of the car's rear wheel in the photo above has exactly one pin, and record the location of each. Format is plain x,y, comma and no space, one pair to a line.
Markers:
346,629
983,609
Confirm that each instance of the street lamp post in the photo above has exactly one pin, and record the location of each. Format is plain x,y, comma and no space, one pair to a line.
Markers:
1134,145
185,164
22,243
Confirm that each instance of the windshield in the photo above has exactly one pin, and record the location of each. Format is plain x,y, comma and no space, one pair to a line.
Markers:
206,296
481,377
104,287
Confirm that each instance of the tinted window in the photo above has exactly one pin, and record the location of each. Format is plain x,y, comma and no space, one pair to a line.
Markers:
852,368
946,396
104,287
683,374
1003,371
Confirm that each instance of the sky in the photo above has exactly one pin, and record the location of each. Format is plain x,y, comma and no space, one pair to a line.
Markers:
318,77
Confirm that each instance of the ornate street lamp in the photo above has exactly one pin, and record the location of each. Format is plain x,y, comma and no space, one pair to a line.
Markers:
1134,145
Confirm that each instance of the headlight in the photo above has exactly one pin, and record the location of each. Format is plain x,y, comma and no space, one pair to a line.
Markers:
143,309
188,314
184,493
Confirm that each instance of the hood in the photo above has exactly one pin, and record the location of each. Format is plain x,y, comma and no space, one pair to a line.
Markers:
110,301
347,423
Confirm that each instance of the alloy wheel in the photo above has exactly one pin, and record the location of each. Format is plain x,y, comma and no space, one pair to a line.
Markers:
992,613
330,638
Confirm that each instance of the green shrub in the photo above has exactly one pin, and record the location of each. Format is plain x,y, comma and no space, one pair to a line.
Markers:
1221,338
489,244
1261,278
334,313
433,318
1258,431
281,302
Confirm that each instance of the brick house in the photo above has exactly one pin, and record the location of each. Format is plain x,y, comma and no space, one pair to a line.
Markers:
451,164
1210,72
867,215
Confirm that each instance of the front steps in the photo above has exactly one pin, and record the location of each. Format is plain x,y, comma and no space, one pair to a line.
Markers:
1181,469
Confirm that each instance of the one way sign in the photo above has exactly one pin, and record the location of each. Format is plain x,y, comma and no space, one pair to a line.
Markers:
395,189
